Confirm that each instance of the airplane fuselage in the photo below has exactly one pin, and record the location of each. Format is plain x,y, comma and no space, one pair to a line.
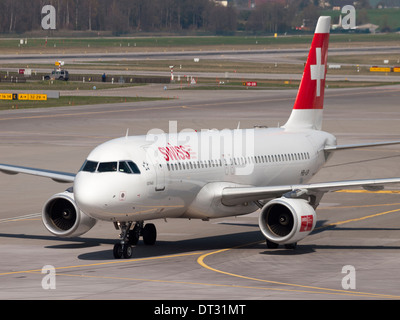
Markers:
181,180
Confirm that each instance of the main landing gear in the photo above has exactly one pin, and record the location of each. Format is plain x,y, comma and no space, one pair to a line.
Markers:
130,237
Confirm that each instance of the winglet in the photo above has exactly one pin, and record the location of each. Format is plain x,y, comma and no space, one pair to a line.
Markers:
307,110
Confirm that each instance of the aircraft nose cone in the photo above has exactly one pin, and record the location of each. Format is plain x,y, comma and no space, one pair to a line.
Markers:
89,193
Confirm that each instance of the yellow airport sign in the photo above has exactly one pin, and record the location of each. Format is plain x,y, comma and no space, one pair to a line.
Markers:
42,97
379,69
23,96
6,96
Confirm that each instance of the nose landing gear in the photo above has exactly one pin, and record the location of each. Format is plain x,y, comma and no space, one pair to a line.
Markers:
130,237
122,250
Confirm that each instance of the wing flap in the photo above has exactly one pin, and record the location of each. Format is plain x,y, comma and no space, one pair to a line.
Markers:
62,177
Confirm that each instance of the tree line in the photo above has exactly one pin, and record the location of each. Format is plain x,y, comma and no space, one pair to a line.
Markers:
127,16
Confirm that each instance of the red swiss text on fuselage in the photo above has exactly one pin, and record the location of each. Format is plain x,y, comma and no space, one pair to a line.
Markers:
174,152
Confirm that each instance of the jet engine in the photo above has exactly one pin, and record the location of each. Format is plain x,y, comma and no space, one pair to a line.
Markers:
286,221
62,217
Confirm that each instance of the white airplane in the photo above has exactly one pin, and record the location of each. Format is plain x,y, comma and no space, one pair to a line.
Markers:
130,180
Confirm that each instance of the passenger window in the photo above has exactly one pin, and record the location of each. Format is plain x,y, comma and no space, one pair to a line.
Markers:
107,167
89,166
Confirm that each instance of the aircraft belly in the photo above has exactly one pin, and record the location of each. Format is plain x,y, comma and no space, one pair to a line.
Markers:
141,211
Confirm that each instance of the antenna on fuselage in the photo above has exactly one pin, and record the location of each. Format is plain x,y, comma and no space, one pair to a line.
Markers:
127,132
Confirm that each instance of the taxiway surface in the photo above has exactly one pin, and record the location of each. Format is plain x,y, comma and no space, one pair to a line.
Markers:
277,56
220,259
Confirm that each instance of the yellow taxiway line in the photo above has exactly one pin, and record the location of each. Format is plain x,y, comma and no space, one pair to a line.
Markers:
317,290
201,261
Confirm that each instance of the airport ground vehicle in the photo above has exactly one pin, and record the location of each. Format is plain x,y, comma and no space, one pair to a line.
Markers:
58,75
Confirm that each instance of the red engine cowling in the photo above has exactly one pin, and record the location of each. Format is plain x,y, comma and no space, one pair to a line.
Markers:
286,221
62,217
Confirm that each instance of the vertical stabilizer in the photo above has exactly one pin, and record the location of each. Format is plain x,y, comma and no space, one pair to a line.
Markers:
308,107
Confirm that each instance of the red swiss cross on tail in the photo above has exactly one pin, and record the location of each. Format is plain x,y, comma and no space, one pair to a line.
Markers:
307,110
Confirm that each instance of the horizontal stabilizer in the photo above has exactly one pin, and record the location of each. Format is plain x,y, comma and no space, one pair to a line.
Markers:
360,145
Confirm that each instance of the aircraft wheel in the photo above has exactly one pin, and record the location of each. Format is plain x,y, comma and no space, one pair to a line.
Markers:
127,251
149,234
291,245
117,251
272,245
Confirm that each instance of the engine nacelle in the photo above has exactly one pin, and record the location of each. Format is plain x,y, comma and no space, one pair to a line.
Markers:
62,217
286,221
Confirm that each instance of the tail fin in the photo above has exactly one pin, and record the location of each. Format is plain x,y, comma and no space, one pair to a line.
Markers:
308,107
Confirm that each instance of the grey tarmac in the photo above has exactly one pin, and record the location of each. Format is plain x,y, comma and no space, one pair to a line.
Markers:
196,260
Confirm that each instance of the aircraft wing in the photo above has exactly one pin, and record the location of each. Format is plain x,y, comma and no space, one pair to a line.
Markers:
238,195
62,177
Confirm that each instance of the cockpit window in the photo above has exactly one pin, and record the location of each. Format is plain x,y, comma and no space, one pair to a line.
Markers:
133,167
123,167
107,167
128,167
89,166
